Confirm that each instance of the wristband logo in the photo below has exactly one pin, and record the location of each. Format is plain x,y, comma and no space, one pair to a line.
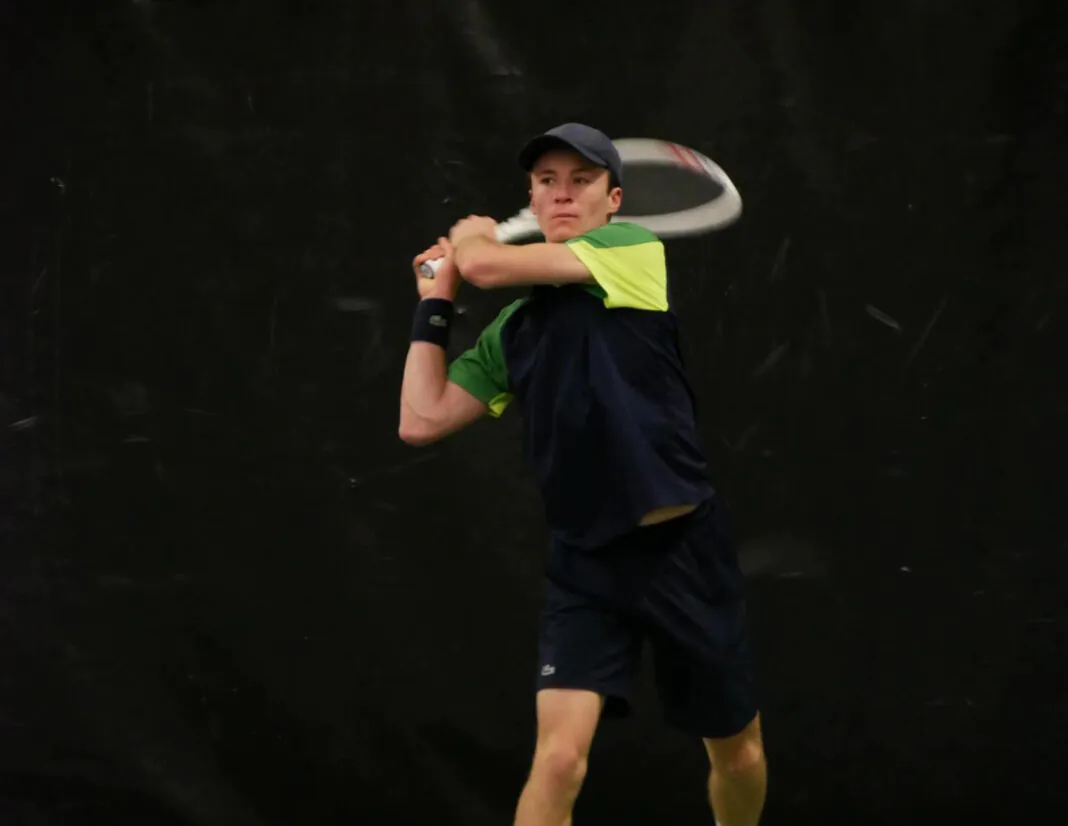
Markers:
439,321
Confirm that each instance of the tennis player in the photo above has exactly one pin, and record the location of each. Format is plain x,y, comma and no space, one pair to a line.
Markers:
639,547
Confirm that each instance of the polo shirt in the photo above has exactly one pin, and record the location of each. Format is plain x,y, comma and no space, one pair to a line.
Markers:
609,425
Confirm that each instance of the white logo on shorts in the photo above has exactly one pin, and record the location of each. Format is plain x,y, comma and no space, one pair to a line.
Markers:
548,670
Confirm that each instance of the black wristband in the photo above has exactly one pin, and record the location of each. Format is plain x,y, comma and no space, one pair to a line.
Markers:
433,321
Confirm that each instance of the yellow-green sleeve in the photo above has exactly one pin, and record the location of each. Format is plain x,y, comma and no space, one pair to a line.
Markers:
627,262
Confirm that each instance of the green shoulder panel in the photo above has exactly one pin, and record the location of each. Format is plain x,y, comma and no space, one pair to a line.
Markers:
627,263
482,370
616,234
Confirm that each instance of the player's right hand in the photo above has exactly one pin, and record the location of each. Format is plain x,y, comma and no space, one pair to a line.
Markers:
446,281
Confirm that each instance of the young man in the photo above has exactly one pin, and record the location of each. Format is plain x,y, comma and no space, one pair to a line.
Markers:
638,546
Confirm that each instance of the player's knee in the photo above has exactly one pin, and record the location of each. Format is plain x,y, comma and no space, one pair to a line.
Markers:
745,757
561,763
738,754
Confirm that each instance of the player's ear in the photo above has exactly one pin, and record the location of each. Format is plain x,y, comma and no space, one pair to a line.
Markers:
615,198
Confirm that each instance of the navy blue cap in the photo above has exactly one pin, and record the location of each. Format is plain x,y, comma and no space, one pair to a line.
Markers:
591,143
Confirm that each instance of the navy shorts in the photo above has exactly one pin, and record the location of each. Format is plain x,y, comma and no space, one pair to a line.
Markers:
676,584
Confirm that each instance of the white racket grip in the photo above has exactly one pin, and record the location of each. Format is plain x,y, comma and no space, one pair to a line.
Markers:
428,269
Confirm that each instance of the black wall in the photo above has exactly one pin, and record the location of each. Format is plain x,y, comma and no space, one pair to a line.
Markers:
230,595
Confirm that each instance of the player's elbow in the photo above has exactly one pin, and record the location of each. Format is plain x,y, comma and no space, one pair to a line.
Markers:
418,432
414,435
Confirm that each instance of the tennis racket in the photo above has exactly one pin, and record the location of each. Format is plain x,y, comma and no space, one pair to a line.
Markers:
671,190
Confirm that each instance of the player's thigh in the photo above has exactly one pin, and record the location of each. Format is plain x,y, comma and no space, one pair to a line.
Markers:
586,645
696,613
706,691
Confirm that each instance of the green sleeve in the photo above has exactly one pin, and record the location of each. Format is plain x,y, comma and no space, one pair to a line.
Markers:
482,370
627,262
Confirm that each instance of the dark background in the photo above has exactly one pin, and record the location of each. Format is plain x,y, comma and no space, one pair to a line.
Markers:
230,595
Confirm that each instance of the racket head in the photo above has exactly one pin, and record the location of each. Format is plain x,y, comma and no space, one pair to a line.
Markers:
670,189
673,190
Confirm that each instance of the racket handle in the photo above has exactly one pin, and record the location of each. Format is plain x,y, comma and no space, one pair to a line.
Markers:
428,269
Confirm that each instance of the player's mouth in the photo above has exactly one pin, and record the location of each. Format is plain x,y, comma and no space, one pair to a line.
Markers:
565,216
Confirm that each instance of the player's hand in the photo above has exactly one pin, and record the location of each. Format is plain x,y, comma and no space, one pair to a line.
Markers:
446,280
473,226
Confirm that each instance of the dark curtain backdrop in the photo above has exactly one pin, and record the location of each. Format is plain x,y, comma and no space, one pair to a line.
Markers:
230,596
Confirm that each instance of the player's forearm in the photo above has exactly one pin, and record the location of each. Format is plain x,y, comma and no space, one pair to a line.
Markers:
489,264
425,370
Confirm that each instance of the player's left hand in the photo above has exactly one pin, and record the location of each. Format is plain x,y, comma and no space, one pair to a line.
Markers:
473,226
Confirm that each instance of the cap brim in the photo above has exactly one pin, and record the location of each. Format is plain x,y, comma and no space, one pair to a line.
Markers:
543,143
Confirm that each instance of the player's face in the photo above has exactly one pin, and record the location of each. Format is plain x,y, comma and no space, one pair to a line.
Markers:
570,196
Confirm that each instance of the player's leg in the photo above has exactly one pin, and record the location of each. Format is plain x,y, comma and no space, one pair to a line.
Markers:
588,655
567,720
696,612
713,698
738,779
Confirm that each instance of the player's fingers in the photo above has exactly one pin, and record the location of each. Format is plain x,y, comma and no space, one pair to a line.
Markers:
446,247
436,251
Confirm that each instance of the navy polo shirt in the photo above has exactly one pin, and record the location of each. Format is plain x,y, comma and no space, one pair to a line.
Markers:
608,415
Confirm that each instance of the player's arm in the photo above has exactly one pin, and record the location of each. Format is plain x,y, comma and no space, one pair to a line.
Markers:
624,260
438,400
432,407
488,264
